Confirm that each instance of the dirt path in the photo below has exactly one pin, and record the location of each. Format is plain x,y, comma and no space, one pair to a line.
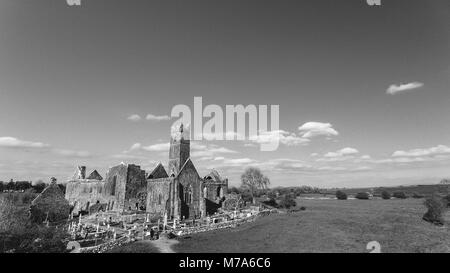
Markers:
164,245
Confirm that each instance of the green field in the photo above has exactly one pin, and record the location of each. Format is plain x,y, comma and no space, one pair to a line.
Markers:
331,226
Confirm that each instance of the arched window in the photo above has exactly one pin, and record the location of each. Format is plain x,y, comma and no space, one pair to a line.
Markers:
219,190
113,185
188,195
159,199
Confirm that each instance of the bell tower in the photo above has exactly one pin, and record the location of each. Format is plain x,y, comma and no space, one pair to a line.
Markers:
179,150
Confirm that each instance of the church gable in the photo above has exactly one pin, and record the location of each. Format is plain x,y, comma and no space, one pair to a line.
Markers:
188,169
95,176
158,172
49,205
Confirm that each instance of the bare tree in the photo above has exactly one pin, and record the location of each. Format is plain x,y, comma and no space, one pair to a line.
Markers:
253,180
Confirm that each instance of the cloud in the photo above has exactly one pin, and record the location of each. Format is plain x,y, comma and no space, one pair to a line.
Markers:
438,150
160,147
134,118
157,118
342,152
394,89
136,146
211,150
72,153
12,142
313,129
281,136
126,156
198,150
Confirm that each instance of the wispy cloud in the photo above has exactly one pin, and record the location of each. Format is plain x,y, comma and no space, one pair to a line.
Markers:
313,129
72,153
160,147
395,89
13,142
134,118
281,136
342,152
157,118
440,149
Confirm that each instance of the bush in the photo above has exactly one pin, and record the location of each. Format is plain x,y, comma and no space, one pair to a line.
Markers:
340,195
362,196
28,196
271,202
416,195
385,195
400,195
35,239
447,200
435,206
287,202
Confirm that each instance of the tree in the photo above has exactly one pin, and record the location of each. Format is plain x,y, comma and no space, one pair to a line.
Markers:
400,195
362,195
385,195
253,180
11,185
234,190
340,195
417,195
287,202
62,187
436,207
447,200
39,186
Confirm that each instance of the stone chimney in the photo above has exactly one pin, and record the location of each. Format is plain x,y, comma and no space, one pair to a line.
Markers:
82,172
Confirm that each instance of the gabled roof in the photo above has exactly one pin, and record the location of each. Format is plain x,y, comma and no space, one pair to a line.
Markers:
95,176
214,176
158,172
188,161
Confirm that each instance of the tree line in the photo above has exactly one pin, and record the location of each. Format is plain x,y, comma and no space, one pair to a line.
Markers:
37,187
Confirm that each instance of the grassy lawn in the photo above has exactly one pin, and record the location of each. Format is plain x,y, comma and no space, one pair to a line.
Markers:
135,247
331,226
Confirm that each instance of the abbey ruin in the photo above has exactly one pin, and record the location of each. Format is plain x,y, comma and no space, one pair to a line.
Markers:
179,192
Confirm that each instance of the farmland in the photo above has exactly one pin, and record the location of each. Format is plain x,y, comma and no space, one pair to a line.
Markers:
331,226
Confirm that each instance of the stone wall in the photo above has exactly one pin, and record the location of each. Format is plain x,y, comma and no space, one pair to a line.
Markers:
83,193
135,186
190,191
159,194
115,186
50,204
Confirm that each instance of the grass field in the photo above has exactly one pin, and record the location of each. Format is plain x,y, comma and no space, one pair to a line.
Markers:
331,226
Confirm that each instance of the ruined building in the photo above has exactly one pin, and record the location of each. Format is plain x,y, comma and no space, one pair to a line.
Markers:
179,192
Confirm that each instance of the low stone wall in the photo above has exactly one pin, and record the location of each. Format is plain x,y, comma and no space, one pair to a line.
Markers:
222,225
105,246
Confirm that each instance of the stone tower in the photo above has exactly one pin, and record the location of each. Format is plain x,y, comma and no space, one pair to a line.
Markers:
179,150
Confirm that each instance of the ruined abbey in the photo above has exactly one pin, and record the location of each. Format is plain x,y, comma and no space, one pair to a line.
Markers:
179,192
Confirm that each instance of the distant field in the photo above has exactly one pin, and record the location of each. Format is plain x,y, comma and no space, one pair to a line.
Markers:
331,226
426,190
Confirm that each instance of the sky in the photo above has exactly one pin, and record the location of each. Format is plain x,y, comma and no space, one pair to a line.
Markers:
363,91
